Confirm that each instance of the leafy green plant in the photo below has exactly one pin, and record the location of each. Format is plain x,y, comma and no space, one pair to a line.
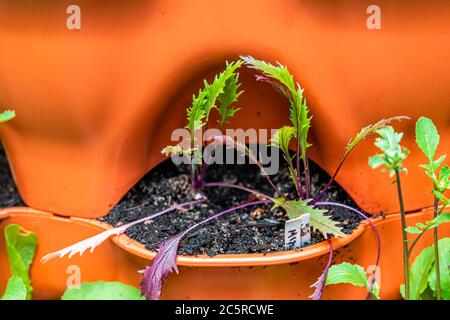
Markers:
352,274
427,138
101,290
21,247
15,289
423,281
220,95
391,160
280,77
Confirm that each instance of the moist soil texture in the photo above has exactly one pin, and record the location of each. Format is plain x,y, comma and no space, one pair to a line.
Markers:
257,229
9,196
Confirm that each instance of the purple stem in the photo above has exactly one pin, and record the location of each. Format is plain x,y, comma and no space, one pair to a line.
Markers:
325,189
307,178
235,186
298,182
278,191
335,204
320,283
297,176
218,215
172,208
200,179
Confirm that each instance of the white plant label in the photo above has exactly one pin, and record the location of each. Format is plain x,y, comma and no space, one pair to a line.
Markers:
297,232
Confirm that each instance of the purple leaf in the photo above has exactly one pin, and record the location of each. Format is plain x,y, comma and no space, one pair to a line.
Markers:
320,283
163,264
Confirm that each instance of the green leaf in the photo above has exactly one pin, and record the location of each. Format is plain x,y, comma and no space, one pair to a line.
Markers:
427,137
229,95
443,182
7,115
206,100
376,161
423,273
420,269
393,153
103,291
437,163
218,89
15,289
280,77
318,219
444,263
351,274
347,273
440,196
282,138
196,113
21,247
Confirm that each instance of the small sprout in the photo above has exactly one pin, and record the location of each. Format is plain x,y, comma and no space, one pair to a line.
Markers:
221,94
393,153
280,77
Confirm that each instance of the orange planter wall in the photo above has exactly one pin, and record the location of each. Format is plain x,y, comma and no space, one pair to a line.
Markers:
199,278
95,106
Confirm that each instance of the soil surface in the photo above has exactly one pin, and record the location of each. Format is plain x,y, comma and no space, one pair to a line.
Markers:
9,196
255,229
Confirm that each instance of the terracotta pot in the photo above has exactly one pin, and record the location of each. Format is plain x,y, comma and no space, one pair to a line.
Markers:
285,275
94,106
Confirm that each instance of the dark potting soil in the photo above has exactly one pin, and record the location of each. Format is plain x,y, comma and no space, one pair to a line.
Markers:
9,196
255,229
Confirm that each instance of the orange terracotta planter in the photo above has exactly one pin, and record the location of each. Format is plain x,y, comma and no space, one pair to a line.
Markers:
285,275
95,106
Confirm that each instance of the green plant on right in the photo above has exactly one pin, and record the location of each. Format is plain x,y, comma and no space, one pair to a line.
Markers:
423,284
391,160
427,138
428,276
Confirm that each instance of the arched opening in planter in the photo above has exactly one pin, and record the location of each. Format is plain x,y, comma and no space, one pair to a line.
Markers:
256,229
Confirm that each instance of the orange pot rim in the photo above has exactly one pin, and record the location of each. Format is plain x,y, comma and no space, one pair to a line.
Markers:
234,260
221,260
